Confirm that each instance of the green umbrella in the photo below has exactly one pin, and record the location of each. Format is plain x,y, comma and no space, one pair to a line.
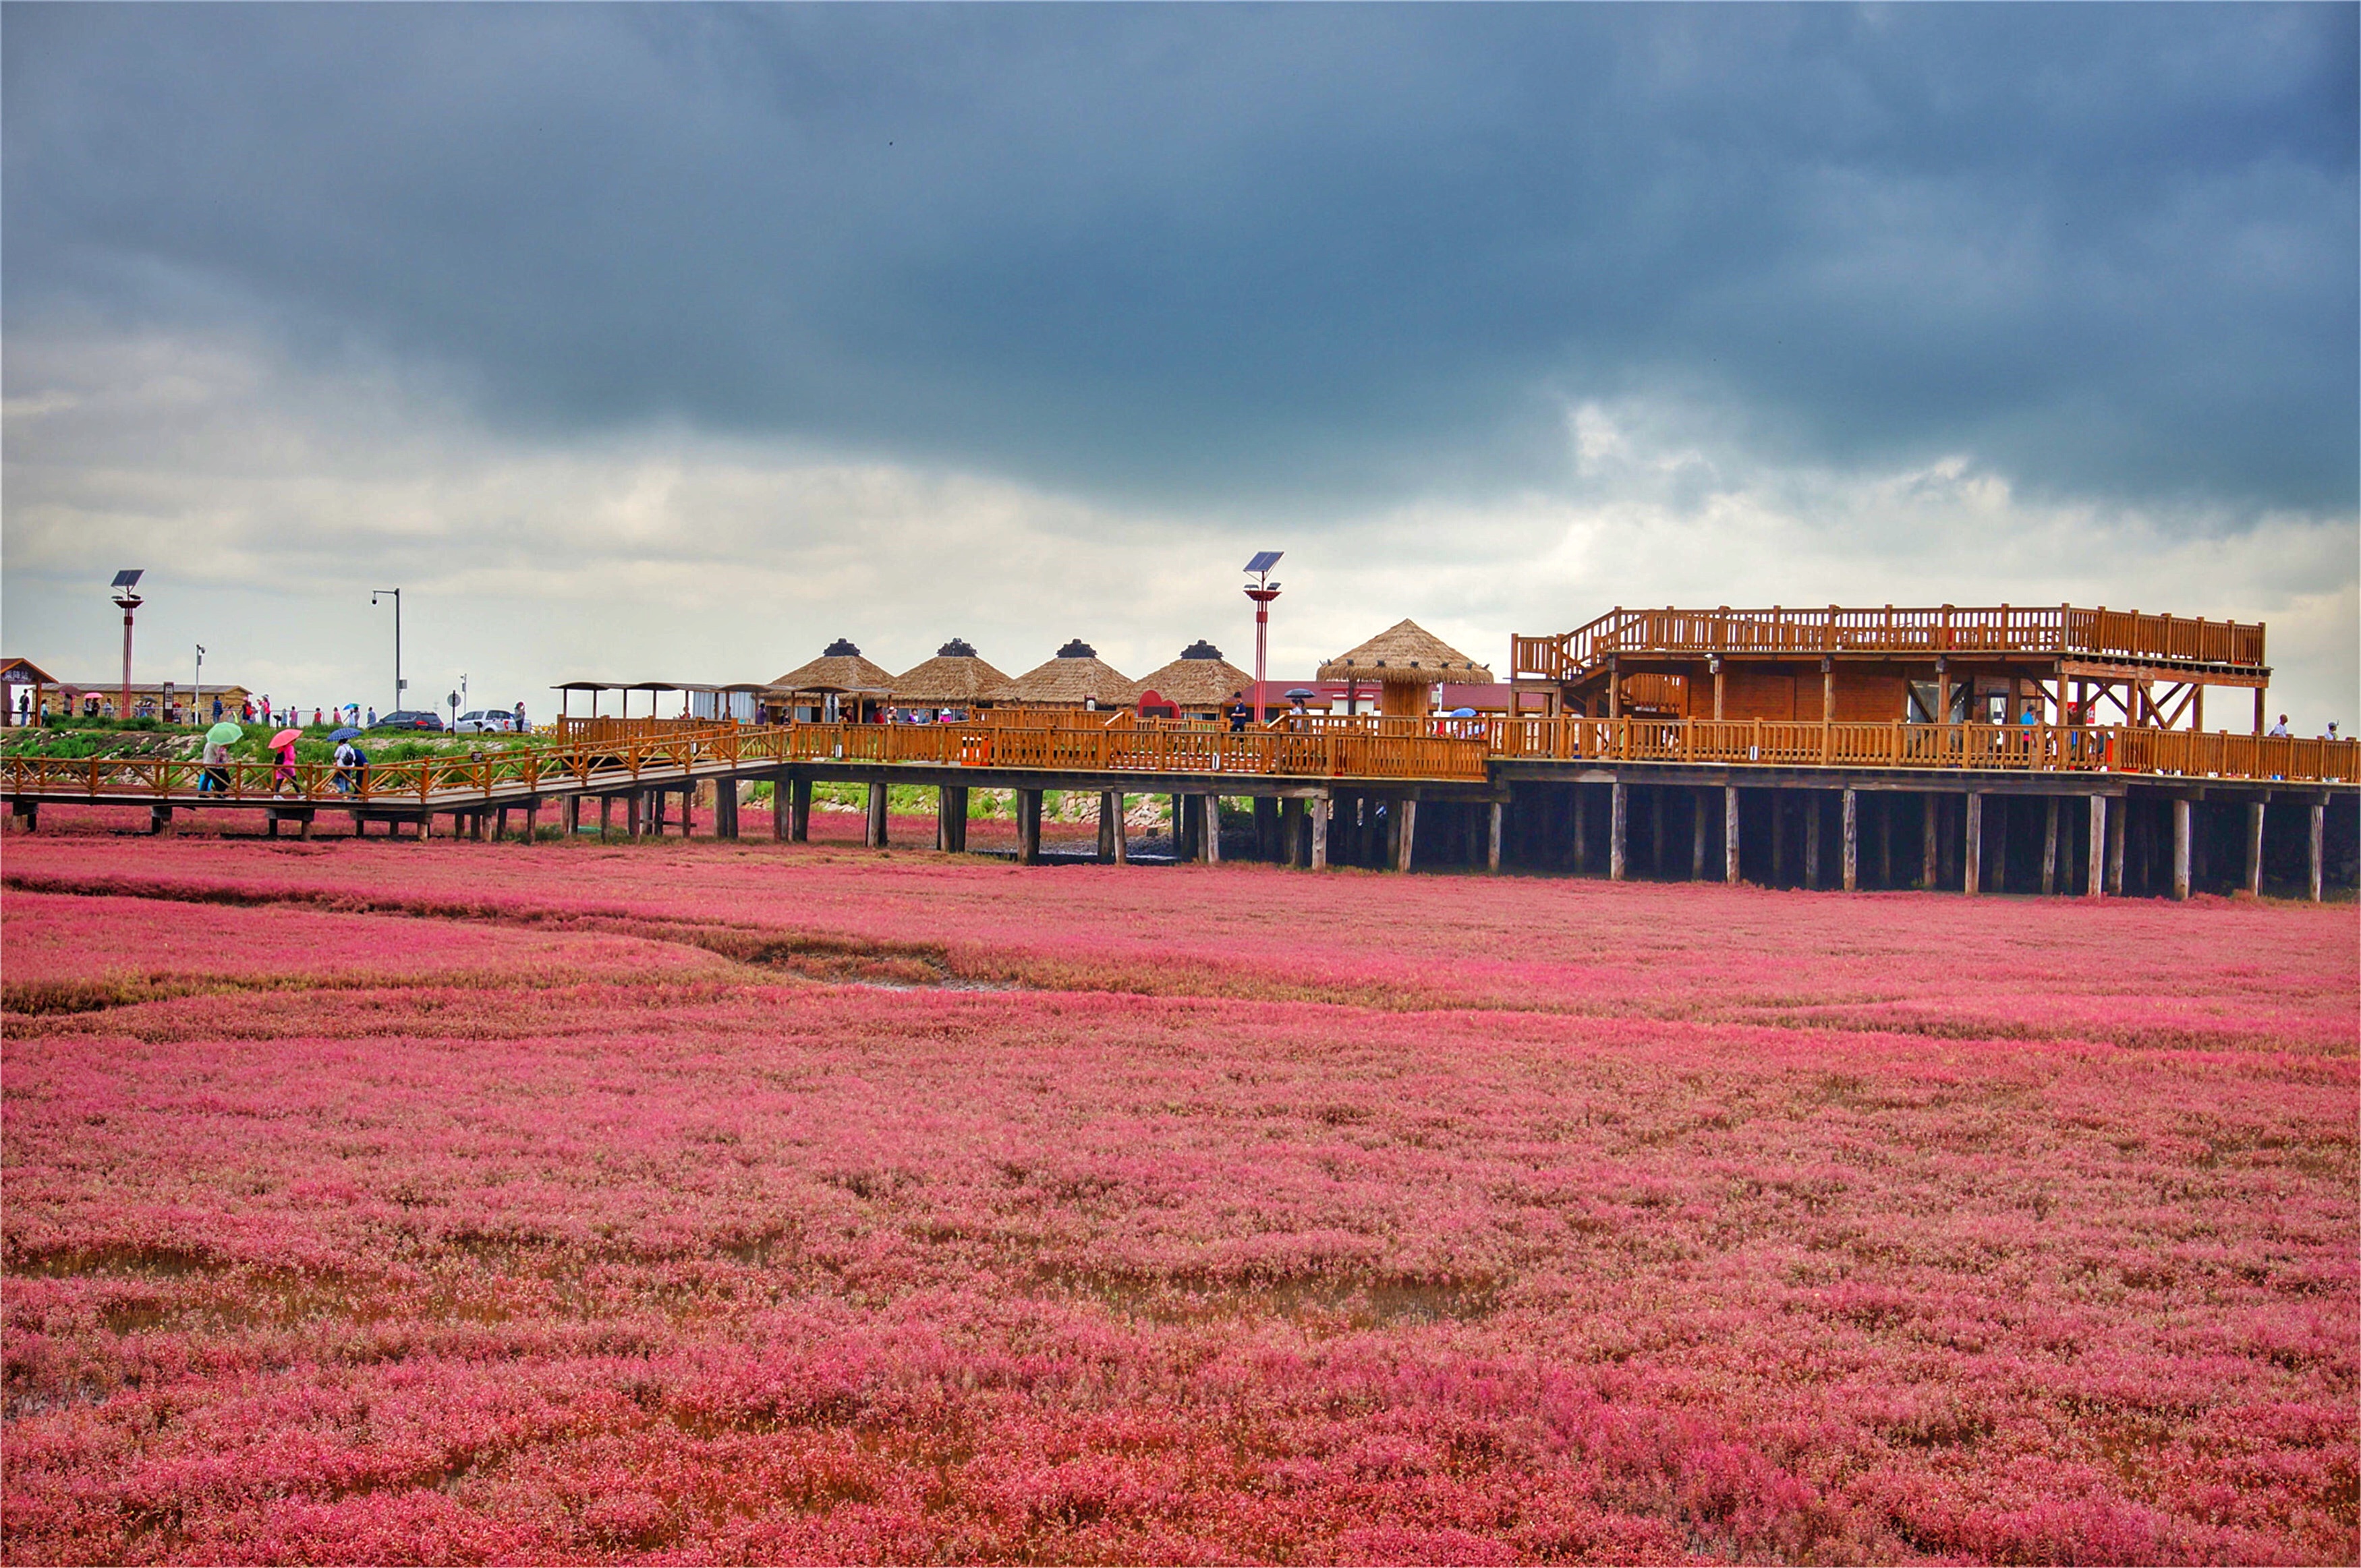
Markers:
225,734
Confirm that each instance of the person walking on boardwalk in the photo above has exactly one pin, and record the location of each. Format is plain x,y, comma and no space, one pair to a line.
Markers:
282,777
348,765
2279,731
1239,712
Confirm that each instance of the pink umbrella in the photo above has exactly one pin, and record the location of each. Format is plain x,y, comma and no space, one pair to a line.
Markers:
285,738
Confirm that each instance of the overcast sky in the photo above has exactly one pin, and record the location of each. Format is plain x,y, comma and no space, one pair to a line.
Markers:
673,342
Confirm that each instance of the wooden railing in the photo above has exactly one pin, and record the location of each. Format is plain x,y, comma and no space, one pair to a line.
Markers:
1946,629
1445,750
606,728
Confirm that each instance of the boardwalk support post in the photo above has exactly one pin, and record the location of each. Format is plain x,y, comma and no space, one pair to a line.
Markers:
1730,834
2180,847
2096,885
1323,806
1696,835
1930,851
2255,849
2049,847
1492,839
1811,838
725,808
1028,827
1974,876
1209,828
1617,825
532,820
1110,807
605,815
159,821
1406,839
1119,831
799,810
2118,824
1851,840
1292,832
2318,836
873,837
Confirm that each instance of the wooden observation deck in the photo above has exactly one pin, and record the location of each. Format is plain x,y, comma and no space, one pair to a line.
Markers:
1946,664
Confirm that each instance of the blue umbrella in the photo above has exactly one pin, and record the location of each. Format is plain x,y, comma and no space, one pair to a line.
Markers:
347,733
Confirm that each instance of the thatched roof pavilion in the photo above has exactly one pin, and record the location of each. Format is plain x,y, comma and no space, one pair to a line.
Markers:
840,676
1405,662
954,677
1075,678
1199,681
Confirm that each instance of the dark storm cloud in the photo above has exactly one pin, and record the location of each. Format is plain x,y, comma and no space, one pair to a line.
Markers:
1227,254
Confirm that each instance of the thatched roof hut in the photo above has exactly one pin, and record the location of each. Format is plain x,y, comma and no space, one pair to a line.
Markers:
840,668
1076,678
1405,661
1199,681
954,677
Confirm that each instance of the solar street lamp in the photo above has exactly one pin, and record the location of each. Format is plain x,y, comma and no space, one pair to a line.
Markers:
128,600
1262,590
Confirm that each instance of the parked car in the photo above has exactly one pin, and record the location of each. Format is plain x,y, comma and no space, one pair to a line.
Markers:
486,721
412,718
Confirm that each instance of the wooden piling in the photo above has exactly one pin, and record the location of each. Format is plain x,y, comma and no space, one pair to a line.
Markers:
1618,824
1811,801
799,793
1406,839
1930,862
873,835
1492,839
2118,824
1851,840
1972,857
1581,829
2096,886
1323,806
2180,847
1730,834
1028,827
2319,846
2050,846
2255,849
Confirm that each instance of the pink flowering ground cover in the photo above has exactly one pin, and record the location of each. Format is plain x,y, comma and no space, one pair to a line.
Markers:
1385,1220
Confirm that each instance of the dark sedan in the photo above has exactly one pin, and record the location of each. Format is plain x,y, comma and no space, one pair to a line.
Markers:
412,718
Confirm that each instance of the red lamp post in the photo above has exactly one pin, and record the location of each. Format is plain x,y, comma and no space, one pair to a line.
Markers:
1262,591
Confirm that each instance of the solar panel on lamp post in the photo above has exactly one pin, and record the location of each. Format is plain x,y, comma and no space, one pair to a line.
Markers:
1262,591
127,598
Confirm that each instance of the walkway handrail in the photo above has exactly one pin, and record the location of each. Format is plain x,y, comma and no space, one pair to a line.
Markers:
1410,750
1942,629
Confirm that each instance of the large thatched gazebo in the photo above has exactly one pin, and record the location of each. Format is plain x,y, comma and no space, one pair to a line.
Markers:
840,684
1405,662
953,678
1077,677
1199,684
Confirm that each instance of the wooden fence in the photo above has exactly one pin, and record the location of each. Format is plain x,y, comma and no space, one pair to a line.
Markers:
1447,751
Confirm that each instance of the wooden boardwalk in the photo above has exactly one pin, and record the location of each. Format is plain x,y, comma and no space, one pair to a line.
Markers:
1495,791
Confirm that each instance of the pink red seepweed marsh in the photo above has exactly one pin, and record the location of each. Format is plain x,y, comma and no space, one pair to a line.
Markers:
470,1202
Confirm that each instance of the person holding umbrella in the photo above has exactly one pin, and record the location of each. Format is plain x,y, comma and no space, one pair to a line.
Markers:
215,780
284,775
350,761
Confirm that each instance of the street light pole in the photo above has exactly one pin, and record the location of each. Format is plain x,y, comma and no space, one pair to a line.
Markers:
128,600
1262,591
197,692
399,685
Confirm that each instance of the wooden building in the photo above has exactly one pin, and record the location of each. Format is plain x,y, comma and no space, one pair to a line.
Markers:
954,680
168,700
838,684
1402,666
1198,685
1076,678
24,690
1949,664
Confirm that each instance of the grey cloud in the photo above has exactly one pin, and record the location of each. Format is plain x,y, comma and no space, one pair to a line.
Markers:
1233,258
